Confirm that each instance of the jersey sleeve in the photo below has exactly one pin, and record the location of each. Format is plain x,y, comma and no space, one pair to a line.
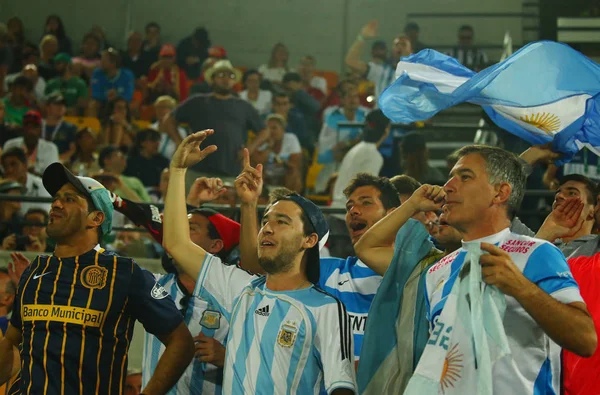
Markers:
151,304
327,266
334,344
374,72
548,269
15,320
221,284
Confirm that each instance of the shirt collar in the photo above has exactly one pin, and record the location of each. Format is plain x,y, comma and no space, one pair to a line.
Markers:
492,239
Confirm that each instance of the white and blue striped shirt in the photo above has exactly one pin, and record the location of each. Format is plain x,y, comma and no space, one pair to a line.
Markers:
289,342
355,284
200,316
382,75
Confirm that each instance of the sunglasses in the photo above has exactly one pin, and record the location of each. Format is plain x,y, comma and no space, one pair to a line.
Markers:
225,74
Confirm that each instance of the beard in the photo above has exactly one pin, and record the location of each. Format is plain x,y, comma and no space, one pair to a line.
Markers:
219,90
283,261
65,228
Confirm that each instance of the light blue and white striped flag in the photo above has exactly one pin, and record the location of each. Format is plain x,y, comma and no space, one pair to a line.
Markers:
545,92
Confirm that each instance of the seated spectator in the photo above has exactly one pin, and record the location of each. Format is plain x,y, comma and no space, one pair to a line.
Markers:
135,59
167,145
259,98
292,82
14,163
466,53
34,228
56,129
364,157
84,161
16,103
192,51
296,124
30,71
117,128
203,86
151,45
145,162
55,27
6,57
17,43
7,132
72,88
333,100
40,153
48,49
89,58
412,31
334,141
414,157
113,162
100,34
312,83
166,77
10,219
280,154
30,54
158,194
110,80
277,66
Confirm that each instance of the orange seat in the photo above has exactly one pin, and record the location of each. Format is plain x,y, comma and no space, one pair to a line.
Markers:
142,124
331,77
85,122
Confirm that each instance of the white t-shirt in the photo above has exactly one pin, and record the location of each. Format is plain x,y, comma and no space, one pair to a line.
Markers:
45,154
275,166
35,188
362,158
262,104
274,74
320,83
167,146
39,88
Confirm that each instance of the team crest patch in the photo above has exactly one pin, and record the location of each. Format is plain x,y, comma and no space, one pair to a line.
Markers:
211,319
94,277
287,334
158,292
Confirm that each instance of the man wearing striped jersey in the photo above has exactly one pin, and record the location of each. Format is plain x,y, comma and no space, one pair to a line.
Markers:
544,309
75,310
286,335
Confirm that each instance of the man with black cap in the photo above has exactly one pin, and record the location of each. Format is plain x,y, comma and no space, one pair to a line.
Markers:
286,335
75,310
56,129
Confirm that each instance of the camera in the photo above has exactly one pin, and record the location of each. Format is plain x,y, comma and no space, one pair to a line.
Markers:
21,242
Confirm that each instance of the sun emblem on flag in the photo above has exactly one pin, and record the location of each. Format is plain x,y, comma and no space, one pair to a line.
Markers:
545,121
453,364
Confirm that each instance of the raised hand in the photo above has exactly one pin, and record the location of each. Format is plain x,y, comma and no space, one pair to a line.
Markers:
189,152
370,29
540,154
564,221
427,198
17,266
249,184
205,190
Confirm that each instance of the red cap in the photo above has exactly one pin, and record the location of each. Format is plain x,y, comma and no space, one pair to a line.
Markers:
217,52
228,229
32,117
167,50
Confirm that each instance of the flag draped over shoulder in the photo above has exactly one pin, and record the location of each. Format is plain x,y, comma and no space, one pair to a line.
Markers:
545,92
467,340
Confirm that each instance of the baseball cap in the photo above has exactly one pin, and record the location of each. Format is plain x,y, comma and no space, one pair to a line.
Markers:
8,185
55,98
228,229
32,117
62,57
317,219
167,50
217,52
56,175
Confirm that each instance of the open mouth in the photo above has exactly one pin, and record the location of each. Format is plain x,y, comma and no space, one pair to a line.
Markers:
357,226
266,243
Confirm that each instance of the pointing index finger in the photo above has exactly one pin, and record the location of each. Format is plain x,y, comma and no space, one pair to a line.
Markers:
246,158
492,249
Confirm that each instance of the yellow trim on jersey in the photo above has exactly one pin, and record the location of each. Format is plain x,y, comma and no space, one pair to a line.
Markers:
110,298
33,324
64,341
66,314
89,302
48,331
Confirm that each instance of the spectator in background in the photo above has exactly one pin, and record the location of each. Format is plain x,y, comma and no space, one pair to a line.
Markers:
401,47
144,161
56,129
34,227
280,154
277,66
7,132
151,45
334,141
8,291
6,56
135,59
466,53
308,106
110,80
192,51
40,153
29,71
203,86
312,83
364,157
84,161
412,31
97,31
29,55
259,98
113,163
414,160
14,163
10,219
167,145
296,124
166,77
48,49
133,382
55,27
379,52
17,42
71,87
16,103
117,128
230,117
89,59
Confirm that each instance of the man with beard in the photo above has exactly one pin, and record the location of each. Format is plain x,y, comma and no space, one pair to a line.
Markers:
75,310
286,335
229,115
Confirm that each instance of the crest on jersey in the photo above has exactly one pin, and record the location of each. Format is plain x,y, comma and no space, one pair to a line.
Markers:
287,334
94,277
211,319
158,292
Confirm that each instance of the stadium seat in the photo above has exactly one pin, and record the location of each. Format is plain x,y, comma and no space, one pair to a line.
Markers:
142,124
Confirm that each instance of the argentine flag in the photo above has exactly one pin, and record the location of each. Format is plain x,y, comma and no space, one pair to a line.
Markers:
545,92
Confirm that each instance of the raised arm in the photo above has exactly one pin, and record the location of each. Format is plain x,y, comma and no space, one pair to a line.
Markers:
563,221
176,239
248,186
376,247
353,57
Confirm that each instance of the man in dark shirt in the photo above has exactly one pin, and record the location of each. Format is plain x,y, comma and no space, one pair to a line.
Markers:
192,51
145,162
56,129
229,116
134,58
